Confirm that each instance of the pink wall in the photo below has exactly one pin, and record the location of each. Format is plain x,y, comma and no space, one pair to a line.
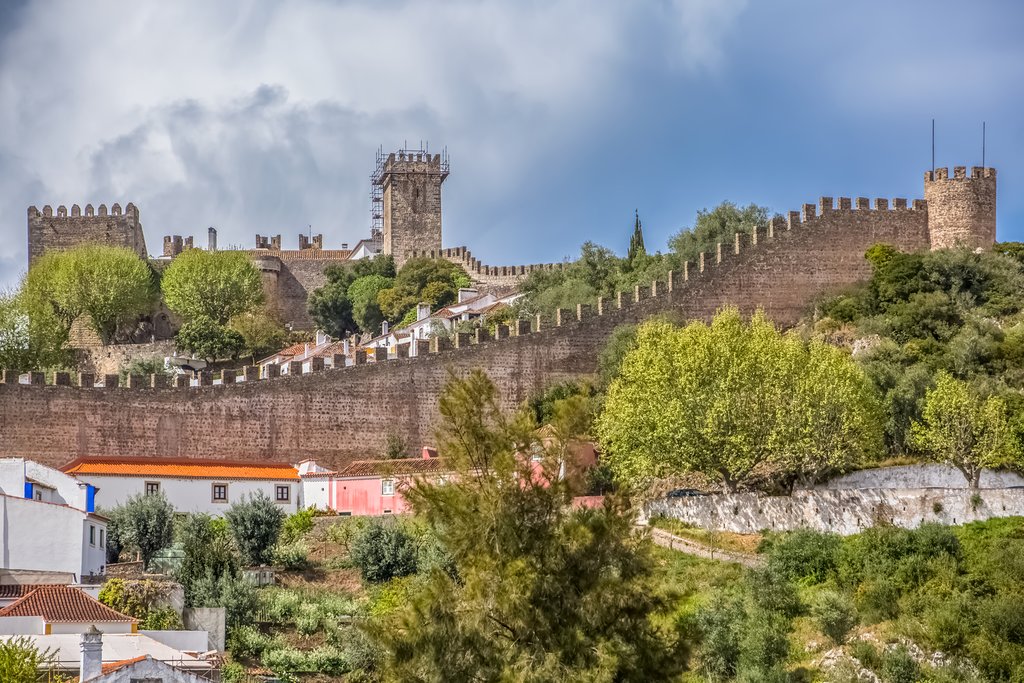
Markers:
363,496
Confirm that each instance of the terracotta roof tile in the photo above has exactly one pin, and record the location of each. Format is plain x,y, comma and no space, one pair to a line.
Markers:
399,467
190,468
62,604
20,589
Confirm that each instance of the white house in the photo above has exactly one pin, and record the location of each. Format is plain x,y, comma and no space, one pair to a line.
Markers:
49,521
47,610
366,249
191,485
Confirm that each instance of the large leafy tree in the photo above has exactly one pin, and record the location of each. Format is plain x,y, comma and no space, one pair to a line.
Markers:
728,398
261,331
331,305
214,284
209,552
537,590
717,225
363,294
961,428
145,523
204,338
434,281
22,662
29,341
111,286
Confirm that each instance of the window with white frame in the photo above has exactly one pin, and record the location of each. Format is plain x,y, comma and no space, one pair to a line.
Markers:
152,487
220,493
387,487
283,493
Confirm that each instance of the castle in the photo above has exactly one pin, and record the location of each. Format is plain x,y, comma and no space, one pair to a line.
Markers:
347,412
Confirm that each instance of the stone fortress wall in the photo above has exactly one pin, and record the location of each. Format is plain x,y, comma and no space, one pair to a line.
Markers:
347,413
48,231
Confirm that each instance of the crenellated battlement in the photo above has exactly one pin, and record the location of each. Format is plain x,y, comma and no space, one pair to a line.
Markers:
962,208
482,272
50,230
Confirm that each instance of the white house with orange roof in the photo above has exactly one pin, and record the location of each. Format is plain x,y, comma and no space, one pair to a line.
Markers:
49,521
190,484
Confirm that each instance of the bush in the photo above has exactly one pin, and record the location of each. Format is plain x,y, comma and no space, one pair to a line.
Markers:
255,523
720,630
232,672
384,551
291,556
899,667
878,600
771,591
867,654
249,642
836,615
297,525
804,555
764,642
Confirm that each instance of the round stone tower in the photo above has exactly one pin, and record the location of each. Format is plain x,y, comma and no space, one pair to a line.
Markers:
961,210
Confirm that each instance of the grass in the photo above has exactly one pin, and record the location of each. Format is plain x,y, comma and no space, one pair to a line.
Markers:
724,540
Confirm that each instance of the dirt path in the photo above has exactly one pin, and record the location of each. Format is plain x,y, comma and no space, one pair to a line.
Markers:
685,545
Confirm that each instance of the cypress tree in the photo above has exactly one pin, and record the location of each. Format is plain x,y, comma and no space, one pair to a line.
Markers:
636,242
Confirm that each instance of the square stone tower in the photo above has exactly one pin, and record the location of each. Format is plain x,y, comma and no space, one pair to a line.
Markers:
56,232
408,183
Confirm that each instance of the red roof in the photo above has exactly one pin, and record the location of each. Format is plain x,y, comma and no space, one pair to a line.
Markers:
399,467
189,468
116,666
62,604
20,589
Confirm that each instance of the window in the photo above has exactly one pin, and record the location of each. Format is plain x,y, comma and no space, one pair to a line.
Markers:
38,495
387,487
220,493
152,487
284,493
92,534
103,538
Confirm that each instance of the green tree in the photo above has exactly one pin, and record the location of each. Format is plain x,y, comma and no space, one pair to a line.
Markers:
29,342
363,294
204,338
717,225
212,284
434,281
636,242
726,398
111,286
21,661
962,429
261,331
539,591
384,551
329,306
209,550
255,523
146,524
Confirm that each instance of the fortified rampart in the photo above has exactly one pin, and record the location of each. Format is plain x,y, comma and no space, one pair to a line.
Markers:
340,414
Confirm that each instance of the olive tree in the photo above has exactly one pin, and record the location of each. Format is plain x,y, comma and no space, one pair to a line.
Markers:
213,284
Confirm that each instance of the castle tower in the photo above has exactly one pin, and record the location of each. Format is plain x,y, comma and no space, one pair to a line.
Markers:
50,232
961,210
408,184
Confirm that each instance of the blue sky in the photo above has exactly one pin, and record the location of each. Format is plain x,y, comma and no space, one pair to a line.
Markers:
561,117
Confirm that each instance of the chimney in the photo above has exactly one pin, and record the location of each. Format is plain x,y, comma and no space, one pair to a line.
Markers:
321,337
345,346
384,327
429,453
91,644
466,293
344,245
211,238
422,311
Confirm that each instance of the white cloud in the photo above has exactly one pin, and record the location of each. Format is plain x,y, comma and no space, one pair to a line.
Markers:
260,117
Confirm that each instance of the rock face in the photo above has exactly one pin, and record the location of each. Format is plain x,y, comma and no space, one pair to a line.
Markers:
343,414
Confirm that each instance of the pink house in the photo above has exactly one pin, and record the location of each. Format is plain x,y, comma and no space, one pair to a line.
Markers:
371,487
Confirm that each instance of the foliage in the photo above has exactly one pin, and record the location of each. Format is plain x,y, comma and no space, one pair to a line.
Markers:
395,446
543,591
331,305
609,360
21,661
205,339
717,225
960,428
26,341
143,600
384,551
636,242
111,286
835,614
261,330
434,281
214,285
297,525
731,397
804,555
291,556
145,524
899,667
255,524
363,294
144,367
544,405
209,551
232,592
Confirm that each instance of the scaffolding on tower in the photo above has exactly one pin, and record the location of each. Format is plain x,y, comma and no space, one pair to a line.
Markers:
377,179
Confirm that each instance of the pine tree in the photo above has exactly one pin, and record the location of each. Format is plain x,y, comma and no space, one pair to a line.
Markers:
636,242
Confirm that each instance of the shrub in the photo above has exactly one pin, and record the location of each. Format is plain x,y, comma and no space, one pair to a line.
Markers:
255,523
291,556
249,642
764,641
836,615
284,661
771,591
328,660
867,654
308,620
898,666
720,628
804,555
297,525
384,551
162,619
878,600
232,672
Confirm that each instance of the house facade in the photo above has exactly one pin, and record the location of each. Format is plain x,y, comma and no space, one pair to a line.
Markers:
191,485
50,521
52,610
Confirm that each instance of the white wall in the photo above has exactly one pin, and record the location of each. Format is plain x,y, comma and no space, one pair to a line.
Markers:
921,476
22,626
187,495
315,492
186,641
71,491
150,669
102,626
37,535
842,512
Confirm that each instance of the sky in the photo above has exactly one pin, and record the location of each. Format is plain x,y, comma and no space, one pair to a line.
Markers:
561,117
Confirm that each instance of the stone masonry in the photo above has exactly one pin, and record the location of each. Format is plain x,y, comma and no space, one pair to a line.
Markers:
411,184
55,232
